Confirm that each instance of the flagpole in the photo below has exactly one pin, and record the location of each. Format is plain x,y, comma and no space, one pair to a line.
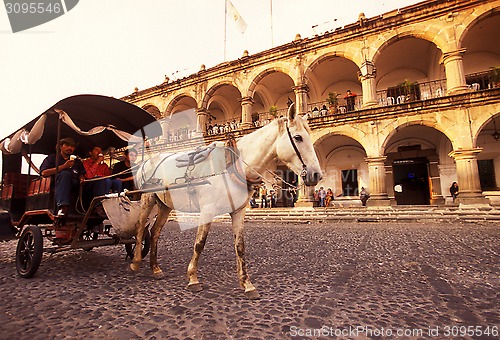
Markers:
271,19
225,27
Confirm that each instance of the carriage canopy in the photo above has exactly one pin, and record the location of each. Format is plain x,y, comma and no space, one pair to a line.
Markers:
88,119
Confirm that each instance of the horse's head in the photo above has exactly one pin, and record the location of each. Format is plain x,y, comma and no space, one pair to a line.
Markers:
294,147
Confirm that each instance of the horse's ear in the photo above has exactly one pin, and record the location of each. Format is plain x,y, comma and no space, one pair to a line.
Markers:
282,124
291,111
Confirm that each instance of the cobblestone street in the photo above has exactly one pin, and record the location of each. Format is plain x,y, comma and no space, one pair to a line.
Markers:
356,280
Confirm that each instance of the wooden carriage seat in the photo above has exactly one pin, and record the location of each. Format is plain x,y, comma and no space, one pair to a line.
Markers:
6,196
15,187
39,194
19,183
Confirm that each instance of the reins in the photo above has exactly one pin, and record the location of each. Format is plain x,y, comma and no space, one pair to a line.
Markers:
297,152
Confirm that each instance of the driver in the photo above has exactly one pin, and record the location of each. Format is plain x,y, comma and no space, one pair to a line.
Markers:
70,173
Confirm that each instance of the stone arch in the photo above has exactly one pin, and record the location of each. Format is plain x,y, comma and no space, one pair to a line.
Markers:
433,35
413,139
175,101
470,21
475,39
210,92
341,148
313,77
428,123
255,82
223,102
341,153
320,136
486,119
153,110
340,54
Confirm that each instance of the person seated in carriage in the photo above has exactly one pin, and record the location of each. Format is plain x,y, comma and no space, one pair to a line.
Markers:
97,175
70,173
123,169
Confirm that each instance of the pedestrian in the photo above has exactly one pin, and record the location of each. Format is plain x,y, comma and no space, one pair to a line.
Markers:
272,198
295,193
329,197
253,203
454,191
291,194
70,173
350,98
363,196
322,196
263,196
316,198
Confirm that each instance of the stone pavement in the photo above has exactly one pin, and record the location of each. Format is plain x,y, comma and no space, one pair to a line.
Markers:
316,280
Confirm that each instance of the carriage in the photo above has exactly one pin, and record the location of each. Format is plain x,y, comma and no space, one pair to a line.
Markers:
169,181
28,212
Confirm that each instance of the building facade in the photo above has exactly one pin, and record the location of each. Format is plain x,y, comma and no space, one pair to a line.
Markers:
422,111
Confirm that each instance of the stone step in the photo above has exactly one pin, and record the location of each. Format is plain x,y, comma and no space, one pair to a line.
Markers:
358,214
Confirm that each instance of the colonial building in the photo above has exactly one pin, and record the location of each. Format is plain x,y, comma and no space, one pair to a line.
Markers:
424,109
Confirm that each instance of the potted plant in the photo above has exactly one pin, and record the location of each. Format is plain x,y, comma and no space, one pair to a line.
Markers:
273,111
411,90
494,76
333,102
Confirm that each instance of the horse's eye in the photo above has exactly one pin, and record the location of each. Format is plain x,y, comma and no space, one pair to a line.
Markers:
298,138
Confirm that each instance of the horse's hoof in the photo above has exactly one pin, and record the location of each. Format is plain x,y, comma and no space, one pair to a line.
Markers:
195,287
134,267
158,275
252,295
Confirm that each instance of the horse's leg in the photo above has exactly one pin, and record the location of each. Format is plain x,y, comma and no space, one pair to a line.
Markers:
201,237
147,204
161,219
238,219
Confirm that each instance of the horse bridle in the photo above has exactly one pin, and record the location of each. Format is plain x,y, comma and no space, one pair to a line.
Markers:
303,174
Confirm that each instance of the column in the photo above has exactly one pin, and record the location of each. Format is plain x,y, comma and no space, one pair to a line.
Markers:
246,112
378,186
301,98
201,121
366,75
389,180
306,195
435,182
468,177
165,129
454,68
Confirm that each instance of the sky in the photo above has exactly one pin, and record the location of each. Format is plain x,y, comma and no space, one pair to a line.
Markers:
109,47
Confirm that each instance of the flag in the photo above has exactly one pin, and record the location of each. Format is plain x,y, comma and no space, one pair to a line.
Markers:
235,16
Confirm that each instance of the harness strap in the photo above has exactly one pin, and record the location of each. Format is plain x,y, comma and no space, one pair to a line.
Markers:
156,167
304,167
232,157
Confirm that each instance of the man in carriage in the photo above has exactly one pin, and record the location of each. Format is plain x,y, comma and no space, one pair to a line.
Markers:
70,173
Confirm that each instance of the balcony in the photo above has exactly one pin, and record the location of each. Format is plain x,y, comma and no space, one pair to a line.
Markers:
319,113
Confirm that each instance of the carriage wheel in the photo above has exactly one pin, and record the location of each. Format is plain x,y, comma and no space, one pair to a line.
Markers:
88,235
29,252
146,243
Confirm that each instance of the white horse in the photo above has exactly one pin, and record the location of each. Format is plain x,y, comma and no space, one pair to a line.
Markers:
286,139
